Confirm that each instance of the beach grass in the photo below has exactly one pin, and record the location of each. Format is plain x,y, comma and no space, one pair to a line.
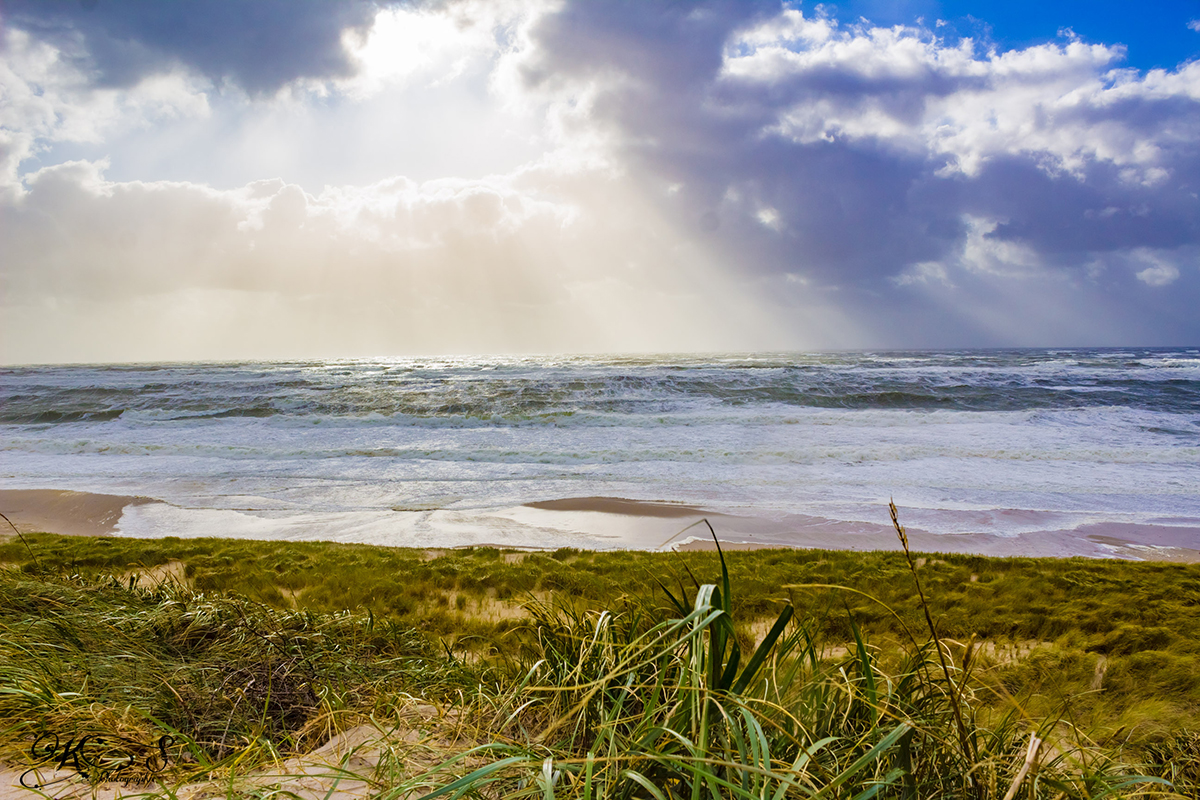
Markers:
611,674
221,674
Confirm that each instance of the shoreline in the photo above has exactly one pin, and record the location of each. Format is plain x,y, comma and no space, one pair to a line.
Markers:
644,525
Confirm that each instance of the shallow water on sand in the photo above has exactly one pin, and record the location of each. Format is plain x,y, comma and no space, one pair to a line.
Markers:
441,452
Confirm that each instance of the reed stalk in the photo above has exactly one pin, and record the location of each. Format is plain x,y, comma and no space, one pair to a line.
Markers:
968,750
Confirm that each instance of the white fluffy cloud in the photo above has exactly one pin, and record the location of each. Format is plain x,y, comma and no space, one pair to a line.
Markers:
48,98
1064,106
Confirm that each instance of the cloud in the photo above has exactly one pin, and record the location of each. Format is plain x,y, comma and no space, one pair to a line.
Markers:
1160,272
260,46
48,98
398,266
883,152
720,175
981,133
436,43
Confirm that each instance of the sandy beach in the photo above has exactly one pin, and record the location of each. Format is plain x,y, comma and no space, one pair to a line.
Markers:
65,512
1102,540
631,524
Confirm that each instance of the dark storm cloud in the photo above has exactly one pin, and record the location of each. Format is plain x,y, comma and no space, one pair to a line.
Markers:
845,212
872,189
260,45
1097,214
848,209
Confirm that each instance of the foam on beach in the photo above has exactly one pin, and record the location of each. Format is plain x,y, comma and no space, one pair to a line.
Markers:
584,523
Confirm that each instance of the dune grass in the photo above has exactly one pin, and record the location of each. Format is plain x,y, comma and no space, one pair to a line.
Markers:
632,705
222,675
1120,639
749,674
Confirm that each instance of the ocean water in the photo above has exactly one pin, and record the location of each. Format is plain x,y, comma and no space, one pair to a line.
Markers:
438,451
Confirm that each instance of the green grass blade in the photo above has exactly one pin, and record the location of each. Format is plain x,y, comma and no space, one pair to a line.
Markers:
1118,786
764,649
678,604
640,779
865,667
469,782
865,760
800,764
588,769
726,593
887,782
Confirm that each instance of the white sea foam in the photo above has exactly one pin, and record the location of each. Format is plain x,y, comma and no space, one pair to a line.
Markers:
438,452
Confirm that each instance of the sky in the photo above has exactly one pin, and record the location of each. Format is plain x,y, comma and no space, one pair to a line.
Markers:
231,180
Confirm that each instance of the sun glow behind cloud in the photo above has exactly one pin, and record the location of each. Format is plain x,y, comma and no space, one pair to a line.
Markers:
404,43
560,177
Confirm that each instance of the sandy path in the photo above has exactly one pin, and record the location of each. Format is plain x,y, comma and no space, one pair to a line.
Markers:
356,763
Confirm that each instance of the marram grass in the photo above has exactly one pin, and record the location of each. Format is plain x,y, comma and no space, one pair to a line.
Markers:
222,675
1118,642
633,705
764,675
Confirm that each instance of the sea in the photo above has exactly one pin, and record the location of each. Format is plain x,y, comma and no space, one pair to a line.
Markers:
449,451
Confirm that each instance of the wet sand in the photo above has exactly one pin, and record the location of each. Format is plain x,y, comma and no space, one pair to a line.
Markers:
1107,540
619,523
70,513
1103,540
617,505
657,526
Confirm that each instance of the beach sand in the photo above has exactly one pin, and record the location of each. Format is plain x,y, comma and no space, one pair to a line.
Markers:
614,522
617,505
423,734
70,513
1106,540
681,527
